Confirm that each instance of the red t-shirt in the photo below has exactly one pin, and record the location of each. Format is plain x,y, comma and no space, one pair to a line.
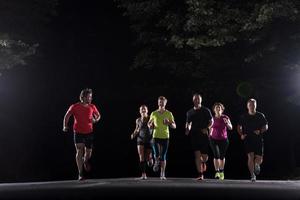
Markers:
83,117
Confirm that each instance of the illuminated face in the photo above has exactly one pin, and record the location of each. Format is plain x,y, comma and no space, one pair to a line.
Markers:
143,110
88,98
197,100
218,109
251,105
162,102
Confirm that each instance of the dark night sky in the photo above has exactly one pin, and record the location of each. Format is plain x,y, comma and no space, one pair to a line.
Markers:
89,45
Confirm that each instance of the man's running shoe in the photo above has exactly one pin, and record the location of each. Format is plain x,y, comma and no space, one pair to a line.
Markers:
143,177
200,178
80,177
253,178
257,169
163,178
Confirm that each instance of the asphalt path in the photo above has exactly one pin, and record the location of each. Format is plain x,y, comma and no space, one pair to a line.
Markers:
183,188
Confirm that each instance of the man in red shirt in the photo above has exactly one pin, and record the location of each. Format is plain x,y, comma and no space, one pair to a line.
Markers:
85,115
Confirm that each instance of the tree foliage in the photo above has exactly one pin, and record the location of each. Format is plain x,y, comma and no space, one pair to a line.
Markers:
201,37
22,26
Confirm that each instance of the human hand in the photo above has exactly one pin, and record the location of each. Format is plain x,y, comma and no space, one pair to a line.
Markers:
204,131
166,121
187,132
243,136
225,120
151,125
257,132
65,129
94,120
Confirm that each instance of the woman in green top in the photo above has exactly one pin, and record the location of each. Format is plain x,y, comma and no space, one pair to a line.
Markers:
160,121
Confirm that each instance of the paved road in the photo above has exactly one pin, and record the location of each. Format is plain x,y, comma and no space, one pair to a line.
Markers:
153,188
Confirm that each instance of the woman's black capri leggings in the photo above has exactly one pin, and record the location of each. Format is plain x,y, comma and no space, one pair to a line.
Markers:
219,147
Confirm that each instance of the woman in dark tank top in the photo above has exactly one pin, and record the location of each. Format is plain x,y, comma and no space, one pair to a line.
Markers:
144,135
144,138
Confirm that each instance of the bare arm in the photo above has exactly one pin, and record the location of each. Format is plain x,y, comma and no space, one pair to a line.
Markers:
96,114
172,124
136,130
97,117
240,132
210,123
228,123
151,124
209,126
188,127
66,121
262,130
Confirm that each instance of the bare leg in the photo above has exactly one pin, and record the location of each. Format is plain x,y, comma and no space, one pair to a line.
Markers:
204,158
258,159
217,164
198,161
87,154
79,157
148,157
222,163
163,165
140,149
251,163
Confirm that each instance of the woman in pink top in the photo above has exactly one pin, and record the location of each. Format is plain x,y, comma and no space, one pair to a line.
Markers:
218,138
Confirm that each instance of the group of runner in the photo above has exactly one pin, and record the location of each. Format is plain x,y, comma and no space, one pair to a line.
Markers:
205,130
152,134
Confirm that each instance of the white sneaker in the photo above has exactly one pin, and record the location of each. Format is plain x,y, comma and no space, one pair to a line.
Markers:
253,178
163,178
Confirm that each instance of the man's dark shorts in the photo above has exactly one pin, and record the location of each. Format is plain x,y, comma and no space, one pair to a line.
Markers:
200,142
254,143
87,139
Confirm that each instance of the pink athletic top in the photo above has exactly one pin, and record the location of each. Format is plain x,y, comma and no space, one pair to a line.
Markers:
219,129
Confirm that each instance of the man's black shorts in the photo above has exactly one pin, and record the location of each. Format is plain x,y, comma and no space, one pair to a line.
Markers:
254,143
200,142
87,139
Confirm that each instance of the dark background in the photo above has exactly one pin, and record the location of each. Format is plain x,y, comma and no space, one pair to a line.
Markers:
90,45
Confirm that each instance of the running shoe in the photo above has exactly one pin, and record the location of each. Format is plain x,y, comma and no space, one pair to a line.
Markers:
143,177
221,176
200,178
217,175
163,178
80,177
253,178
